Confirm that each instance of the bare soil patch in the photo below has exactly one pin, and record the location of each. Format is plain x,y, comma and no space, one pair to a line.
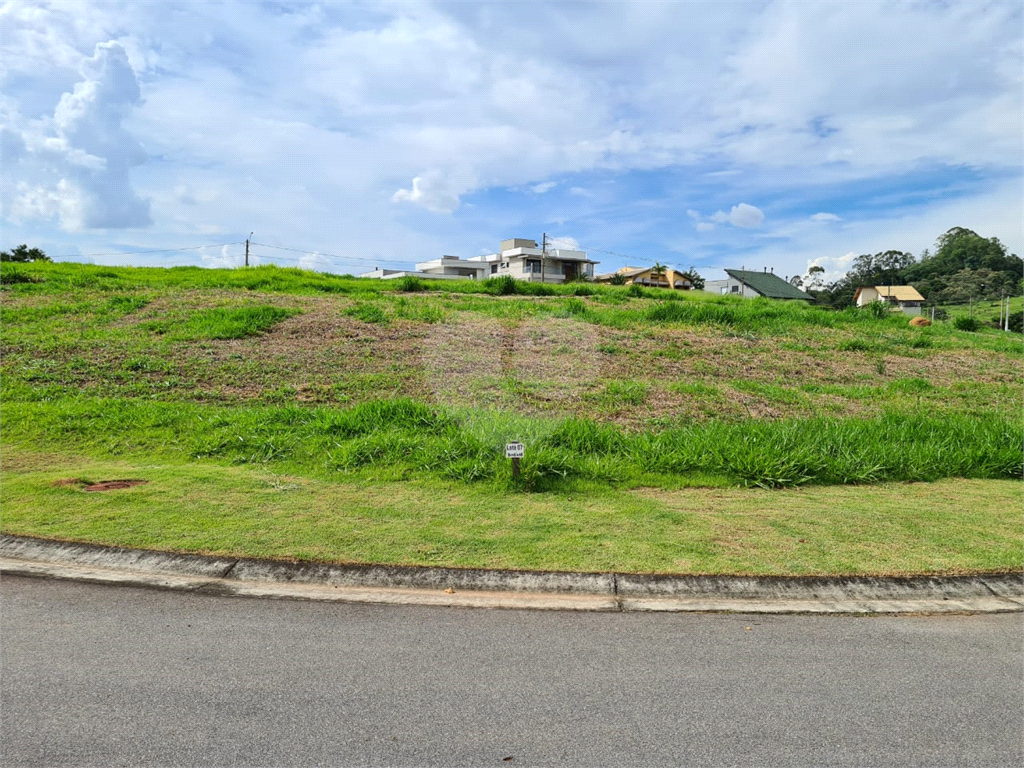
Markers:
113,485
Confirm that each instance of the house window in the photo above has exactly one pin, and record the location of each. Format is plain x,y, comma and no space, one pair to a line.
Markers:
494,268
735,289
533,265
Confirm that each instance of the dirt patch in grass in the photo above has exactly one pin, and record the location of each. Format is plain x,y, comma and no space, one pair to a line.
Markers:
112,485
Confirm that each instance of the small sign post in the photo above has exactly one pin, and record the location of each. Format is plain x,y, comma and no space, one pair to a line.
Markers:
515,451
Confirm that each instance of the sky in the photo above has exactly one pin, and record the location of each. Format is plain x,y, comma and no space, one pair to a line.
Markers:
347,136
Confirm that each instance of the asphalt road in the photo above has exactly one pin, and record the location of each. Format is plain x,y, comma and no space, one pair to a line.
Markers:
111,676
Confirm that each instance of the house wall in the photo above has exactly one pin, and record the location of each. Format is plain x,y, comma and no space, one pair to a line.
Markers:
866,296
732,286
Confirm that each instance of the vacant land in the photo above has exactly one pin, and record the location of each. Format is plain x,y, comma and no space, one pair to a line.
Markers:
951,526
355,385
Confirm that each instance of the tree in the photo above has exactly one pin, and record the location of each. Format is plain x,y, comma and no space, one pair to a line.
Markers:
22,253
796,281
960,249
695,279
658,272
814,277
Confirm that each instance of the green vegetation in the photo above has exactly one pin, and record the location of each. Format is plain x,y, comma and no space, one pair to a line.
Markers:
953,526
965,267
221,323
386,439
381,388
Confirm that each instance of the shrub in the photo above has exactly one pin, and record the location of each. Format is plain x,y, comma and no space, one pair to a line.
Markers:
964,323
1017,322
879,309
411,284
617,279
12,276
505,285
635,291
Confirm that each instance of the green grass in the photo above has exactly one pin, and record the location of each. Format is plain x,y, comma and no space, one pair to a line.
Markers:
222,323
393,386
385,439
960,526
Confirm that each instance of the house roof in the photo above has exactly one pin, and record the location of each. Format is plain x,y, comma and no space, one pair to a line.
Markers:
898,292
768,284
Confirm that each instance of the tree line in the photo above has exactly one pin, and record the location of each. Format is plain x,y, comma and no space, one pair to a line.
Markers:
23,254
964,266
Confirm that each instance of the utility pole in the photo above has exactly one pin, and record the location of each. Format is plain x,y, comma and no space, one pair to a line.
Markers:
543,254
247,249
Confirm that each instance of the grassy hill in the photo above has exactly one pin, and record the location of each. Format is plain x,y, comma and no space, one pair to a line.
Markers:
280,413
332,375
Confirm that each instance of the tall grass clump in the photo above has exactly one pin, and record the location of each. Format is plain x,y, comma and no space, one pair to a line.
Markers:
223,323
402,435
505,285
368,312
410,284
966,323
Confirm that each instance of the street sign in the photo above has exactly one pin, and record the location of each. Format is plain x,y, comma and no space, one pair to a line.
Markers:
514,450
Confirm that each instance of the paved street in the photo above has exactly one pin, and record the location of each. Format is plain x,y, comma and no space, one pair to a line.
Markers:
108,676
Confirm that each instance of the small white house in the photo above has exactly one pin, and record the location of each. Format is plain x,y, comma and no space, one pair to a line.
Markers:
902,297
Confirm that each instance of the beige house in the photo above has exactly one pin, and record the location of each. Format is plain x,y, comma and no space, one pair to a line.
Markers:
671,278
902,297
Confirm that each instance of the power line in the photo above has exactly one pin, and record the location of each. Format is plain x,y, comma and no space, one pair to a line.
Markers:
155,250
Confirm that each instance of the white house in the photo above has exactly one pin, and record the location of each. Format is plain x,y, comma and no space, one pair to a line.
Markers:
520,258
902,297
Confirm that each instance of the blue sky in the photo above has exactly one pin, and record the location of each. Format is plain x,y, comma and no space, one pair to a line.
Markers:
709,135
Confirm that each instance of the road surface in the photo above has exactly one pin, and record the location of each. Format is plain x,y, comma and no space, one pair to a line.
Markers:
108,676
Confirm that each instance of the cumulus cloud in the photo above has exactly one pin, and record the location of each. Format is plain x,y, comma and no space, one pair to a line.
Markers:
825,217
695,215
428,192
744,215
835,266
767,102
540,189
79,159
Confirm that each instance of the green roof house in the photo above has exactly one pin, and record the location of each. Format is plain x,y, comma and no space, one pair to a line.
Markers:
750,284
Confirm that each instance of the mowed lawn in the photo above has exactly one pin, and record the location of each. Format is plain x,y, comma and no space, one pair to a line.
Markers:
950,526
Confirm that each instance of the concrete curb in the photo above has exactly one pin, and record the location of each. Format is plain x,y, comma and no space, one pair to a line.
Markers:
27,556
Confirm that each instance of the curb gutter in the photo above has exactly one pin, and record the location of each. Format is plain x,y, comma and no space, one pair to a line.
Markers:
991,593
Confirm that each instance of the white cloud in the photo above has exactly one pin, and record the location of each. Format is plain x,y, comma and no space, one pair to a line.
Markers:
80,158
430,193
308,119
835,266
540,189
825,217
566,243
744,215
